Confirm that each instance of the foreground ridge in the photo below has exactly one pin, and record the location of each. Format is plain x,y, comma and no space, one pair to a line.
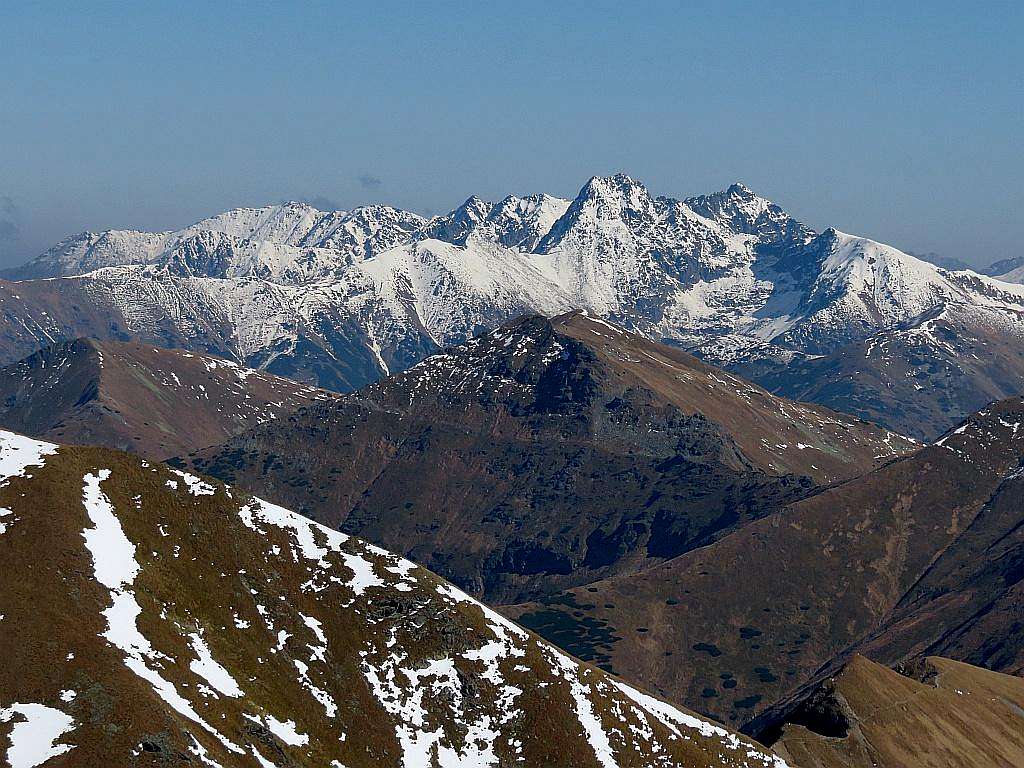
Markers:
936,712
177,619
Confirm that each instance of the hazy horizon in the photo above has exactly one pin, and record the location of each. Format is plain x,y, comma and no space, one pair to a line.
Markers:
897,124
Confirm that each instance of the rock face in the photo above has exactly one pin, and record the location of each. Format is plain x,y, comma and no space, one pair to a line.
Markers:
341,298
549,453
135,397
179,621
938,713
921,556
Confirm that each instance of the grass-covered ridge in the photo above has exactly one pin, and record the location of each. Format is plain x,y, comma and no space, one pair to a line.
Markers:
175,619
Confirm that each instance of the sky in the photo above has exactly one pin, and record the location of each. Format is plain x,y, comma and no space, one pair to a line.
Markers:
903,122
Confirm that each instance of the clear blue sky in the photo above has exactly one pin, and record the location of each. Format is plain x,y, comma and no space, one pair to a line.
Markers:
900,121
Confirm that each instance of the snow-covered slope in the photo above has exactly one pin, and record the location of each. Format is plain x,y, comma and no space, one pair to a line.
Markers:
341,298
275,242
172,620
87,251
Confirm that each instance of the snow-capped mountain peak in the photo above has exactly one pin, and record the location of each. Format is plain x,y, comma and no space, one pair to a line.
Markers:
456,226
364,231
612,198
287,223
515,222
742,211
340,297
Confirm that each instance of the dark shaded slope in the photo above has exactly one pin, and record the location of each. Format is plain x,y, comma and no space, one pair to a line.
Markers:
548,454
916,557
919,379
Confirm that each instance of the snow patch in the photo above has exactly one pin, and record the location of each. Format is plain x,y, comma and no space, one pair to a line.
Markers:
33,738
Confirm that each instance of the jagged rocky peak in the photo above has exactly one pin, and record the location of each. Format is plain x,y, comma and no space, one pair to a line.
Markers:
456,226
508,362
515,222
206,254
364,231
521,222
617,196
620,208
742,211
617,201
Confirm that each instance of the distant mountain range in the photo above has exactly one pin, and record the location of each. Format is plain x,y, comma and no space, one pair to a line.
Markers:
1011,270
341,298
149,617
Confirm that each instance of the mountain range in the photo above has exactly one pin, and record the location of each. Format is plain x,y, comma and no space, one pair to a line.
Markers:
610,493
176,620
1002,269
691,453
340,298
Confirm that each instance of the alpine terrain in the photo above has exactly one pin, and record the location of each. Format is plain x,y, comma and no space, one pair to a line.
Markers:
176,621
340,298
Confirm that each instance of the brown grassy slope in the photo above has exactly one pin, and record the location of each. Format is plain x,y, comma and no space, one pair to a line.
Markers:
177,622
908,560
769,430
136,397
548,454
868,716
